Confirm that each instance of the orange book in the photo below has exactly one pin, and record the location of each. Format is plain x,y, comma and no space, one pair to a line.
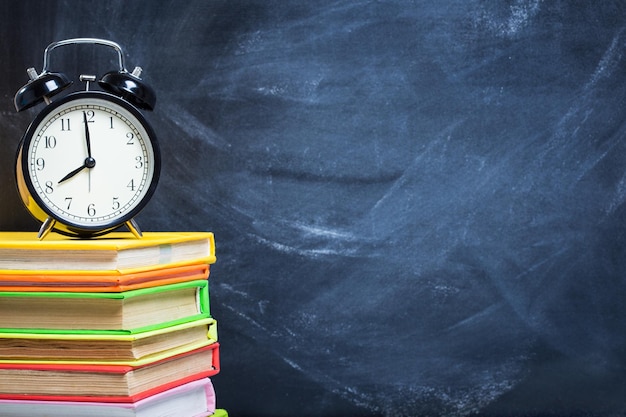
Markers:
99,281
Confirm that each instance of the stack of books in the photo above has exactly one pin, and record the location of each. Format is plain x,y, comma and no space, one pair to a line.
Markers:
110,327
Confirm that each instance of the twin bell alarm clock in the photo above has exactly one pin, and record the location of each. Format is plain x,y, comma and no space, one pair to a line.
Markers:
89,161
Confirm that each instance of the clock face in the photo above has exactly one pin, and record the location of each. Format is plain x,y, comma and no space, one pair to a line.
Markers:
90,160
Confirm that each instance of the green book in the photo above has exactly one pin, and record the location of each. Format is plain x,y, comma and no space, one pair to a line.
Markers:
124,312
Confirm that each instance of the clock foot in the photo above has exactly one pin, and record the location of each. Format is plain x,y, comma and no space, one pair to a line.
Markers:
46,227
134,228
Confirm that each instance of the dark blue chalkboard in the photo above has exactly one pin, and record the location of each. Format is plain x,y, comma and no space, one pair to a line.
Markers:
418,205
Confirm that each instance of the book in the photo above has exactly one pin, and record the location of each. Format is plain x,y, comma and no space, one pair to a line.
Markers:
99,281
107,348
105,383
117,251
193,399
124,312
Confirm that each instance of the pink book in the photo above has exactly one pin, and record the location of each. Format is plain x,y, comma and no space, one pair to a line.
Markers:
194,399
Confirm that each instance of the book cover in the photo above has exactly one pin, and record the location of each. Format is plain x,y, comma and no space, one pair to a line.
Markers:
124,312
193,399
107,348
101,281
117,251
105,383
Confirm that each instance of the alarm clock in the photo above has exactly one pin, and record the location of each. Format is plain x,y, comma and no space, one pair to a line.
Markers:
89,161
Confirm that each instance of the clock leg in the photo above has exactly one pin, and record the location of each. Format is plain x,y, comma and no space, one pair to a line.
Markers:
46,227
134,228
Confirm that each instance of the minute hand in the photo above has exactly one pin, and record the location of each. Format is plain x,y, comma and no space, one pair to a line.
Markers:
87,139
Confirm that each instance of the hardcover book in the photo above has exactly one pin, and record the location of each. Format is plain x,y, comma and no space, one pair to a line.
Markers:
194,399
119,251
124,312
100,281
59,381
106,348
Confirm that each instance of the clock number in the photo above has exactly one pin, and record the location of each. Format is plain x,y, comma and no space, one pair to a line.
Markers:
116,203
50,142
91,209
139,160
131,138
41,164
89,116
49,189
68,200
111,120
65,125
131,185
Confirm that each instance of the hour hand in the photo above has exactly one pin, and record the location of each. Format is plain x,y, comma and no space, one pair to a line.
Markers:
89,163
71,174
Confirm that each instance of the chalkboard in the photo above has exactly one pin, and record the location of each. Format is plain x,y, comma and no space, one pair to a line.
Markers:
418,206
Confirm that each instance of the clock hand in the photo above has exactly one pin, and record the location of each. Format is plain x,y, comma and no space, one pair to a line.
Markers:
89,163
87,138
89,159
71,174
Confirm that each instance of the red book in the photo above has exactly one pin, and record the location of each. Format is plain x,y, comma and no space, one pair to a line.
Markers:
105,383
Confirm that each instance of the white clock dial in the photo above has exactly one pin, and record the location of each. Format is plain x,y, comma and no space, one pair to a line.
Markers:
90,162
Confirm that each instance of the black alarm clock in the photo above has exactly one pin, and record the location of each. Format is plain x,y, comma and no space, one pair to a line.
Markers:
89,161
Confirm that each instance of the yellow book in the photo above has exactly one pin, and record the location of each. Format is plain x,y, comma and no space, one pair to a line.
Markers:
147,360
118,251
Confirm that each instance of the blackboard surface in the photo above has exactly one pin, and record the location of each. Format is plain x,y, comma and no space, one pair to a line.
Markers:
418,205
